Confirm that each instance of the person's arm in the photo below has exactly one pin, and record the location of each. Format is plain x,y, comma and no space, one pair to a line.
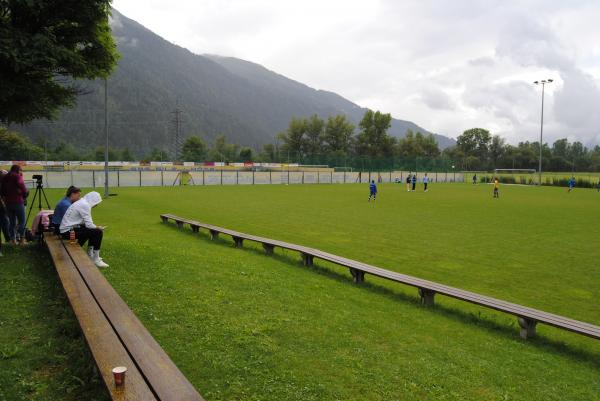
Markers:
86,215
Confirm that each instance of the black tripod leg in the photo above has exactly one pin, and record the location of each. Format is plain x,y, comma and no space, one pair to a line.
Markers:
35,195
46,199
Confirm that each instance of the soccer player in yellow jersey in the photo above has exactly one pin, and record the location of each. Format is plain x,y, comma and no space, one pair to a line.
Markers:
496,187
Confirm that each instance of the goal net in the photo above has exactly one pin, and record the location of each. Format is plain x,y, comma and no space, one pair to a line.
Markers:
517,176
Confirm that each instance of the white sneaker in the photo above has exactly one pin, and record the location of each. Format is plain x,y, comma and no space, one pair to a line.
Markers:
98,260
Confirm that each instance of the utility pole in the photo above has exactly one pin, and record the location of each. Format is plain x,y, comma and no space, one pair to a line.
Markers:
106,137
543,82
177,125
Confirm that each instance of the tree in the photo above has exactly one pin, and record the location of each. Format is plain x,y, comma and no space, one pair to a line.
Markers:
98,154
157,155
337,136
269,153
64,151
13,146
246,154
126,155
373,139
313,139
496,150
474,142
44,46
294,137
418,145
223,151
193,149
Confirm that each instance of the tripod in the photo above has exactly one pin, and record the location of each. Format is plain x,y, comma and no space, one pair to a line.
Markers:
38,194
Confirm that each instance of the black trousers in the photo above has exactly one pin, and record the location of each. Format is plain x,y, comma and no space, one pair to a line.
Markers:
92,235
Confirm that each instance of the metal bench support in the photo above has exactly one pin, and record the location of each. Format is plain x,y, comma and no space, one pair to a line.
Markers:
195,228
268,249
527,327
426,296
307,260
179,224
214,235
164,219
358,276
239,242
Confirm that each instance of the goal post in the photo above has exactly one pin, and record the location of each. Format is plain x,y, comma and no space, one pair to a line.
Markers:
523,176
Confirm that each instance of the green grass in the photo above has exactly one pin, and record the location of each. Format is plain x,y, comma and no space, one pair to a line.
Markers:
244,326
43,355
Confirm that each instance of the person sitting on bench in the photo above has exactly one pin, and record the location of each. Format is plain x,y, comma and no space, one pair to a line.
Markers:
78,218
72,196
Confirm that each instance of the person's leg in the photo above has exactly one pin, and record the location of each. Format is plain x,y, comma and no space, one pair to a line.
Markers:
95,238
12,223
4,225
20,212
96,242
82,235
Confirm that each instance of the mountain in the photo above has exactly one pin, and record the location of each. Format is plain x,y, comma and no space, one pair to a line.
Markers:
217,95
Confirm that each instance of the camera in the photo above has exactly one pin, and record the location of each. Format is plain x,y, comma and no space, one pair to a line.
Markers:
38,177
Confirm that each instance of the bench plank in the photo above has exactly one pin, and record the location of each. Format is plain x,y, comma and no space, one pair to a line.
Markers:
162,374
106,348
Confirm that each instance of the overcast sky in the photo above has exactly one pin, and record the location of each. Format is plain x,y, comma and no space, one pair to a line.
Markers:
446,65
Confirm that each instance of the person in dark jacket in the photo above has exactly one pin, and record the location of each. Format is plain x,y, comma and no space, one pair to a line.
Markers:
414,182
14,193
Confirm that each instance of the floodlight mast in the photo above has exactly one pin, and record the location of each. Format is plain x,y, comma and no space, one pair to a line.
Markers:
543,82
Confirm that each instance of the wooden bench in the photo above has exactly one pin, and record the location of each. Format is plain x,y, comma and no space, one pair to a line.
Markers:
115,336
526,317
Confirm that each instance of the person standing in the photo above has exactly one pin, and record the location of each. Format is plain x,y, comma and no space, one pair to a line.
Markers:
425,182
475,179
598,185
496,187
414,181
14,193
571,184
78,218
3,213
372,190
408,182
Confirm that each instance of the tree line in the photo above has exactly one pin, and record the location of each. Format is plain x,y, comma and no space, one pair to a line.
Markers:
337,137
315,140
477,149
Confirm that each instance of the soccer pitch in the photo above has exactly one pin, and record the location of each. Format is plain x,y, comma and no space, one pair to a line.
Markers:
244,326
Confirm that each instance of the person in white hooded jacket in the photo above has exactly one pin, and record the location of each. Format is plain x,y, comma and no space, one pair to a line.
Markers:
78,218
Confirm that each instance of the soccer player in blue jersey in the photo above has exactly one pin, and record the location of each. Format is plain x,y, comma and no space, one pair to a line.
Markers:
372,190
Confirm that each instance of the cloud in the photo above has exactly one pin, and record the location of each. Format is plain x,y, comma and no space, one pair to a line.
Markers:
437,99
447,66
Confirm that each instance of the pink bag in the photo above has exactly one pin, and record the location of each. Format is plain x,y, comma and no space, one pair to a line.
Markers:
44,217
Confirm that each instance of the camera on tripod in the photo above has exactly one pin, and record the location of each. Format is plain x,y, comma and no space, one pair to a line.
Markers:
38,178
38,195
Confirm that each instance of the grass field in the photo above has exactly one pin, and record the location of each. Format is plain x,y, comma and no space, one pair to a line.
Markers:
243,326
43,356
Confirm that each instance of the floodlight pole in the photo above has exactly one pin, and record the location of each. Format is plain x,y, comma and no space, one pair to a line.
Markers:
106,137
543,82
